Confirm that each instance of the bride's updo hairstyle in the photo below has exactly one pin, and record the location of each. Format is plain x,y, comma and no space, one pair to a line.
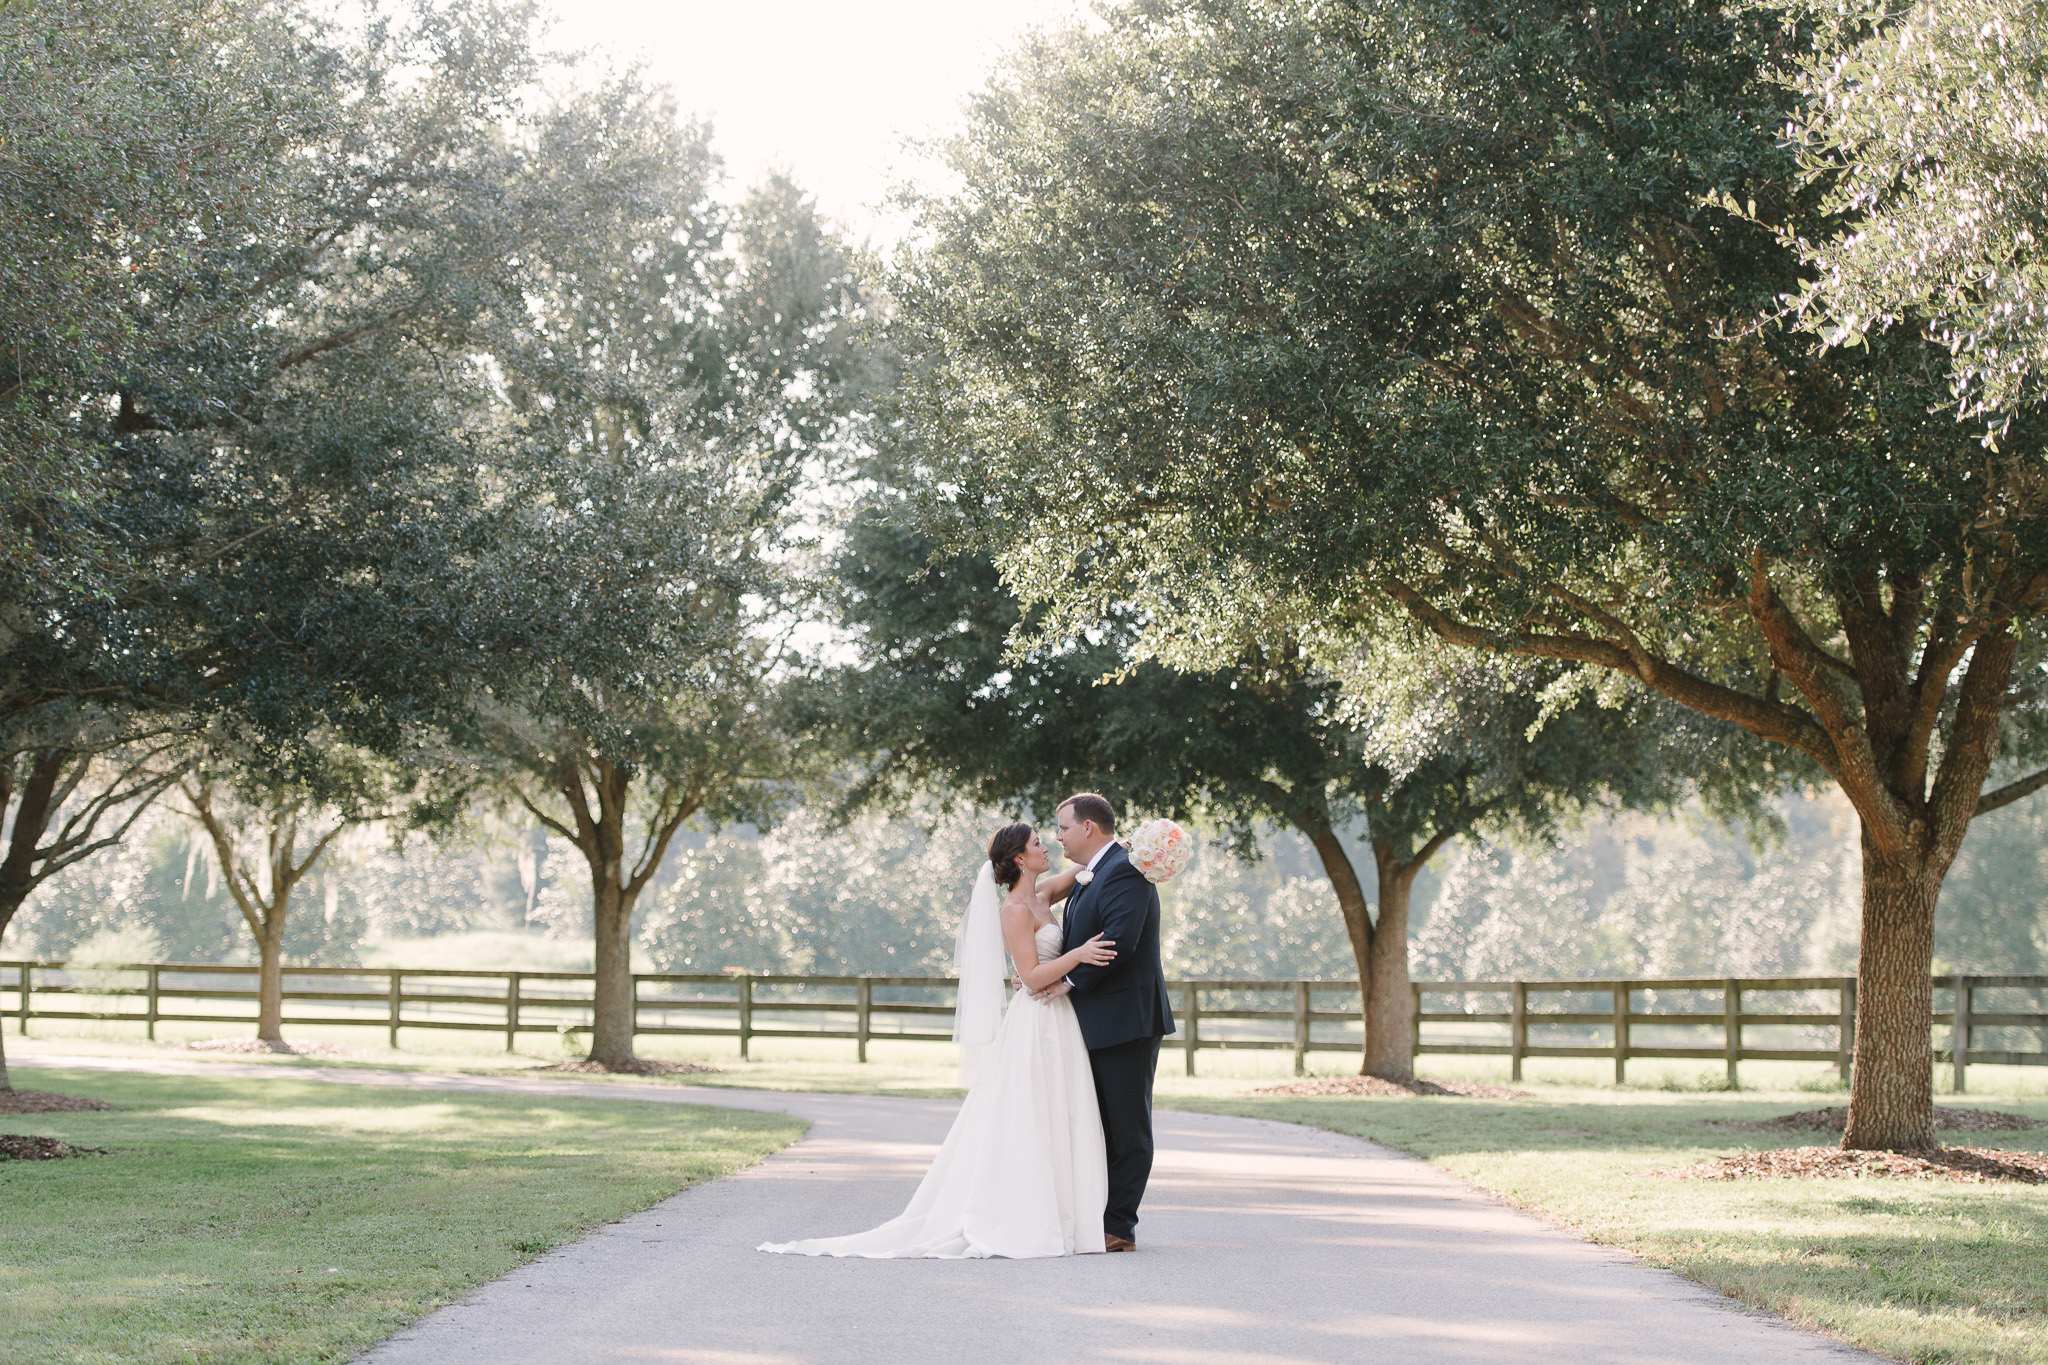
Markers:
1005,849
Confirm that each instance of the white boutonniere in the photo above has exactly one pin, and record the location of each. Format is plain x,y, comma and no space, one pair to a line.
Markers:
1083,877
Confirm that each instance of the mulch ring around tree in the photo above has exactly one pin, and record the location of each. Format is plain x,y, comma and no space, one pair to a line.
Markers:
16,1147
1373,1085
1836,1118
45,1102
637,1066
1972,1164
255,1045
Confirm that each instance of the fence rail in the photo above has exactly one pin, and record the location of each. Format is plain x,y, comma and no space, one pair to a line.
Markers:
1729,1019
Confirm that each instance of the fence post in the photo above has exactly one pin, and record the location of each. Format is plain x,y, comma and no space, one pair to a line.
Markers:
26,968
1845,1037
1959,1031
1414,1024
865,1009
511,1009
1620,992
150,1030
1518,1031
1300,1028
1731,1030
396,990
746,1011
1191,1023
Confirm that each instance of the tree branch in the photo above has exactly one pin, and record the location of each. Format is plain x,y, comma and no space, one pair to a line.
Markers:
1973,737
570,784
650,859
348,334
556,825
1773,720
2011,792
246,896
1437,841
1945,649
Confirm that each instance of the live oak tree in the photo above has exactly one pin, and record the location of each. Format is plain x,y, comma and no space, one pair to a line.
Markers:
690,364
1325,307
939,701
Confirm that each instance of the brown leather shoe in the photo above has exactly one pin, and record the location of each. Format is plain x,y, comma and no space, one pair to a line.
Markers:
1112,1242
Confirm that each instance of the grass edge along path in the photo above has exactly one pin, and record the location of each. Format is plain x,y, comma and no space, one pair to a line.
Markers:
276,1220
1934,1272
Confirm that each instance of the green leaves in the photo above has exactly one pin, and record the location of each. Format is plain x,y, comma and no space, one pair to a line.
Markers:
1929,133
955,692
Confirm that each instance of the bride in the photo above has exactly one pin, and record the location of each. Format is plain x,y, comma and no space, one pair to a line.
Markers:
1022,1173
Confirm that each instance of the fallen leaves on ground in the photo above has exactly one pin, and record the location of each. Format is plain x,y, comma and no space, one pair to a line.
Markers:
1836,1118
638,1066
47,1102
1373,1085
1974,1164
282,1049
17,1147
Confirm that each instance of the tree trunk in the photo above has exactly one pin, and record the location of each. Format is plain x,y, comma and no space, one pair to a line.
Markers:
34,804
270,974
1891,1090
1390,1003
599,833
611,1025
10,901
1357,919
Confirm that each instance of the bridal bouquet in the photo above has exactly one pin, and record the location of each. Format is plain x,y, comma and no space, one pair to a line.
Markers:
1161,849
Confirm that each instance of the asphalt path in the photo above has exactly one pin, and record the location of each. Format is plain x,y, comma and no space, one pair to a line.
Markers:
1261,1244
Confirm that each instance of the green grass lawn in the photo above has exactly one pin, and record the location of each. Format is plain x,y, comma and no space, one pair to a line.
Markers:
279,1220
1934,1271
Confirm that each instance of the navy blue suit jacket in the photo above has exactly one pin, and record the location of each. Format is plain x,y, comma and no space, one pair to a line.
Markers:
1124,999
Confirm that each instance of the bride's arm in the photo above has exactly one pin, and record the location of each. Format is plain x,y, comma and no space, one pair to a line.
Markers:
1057,886
1036,975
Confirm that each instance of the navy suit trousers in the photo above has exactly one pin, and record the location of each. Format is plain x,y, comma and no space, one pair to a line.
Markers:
1123,1092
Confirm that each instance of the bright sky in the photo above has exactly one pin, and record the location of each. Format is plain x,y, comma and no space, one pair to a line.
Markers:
826,88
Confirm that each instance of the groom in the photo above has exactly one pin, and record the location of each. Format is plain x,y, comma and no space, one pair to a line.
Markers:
1121,1004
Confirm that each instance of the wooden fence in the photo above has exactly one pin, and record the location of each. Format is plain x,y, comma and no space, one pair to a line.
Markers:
1999,1019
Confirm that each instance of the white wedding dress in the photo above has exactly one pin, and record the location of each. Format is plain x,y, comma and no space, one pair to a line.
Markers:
1023,1172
